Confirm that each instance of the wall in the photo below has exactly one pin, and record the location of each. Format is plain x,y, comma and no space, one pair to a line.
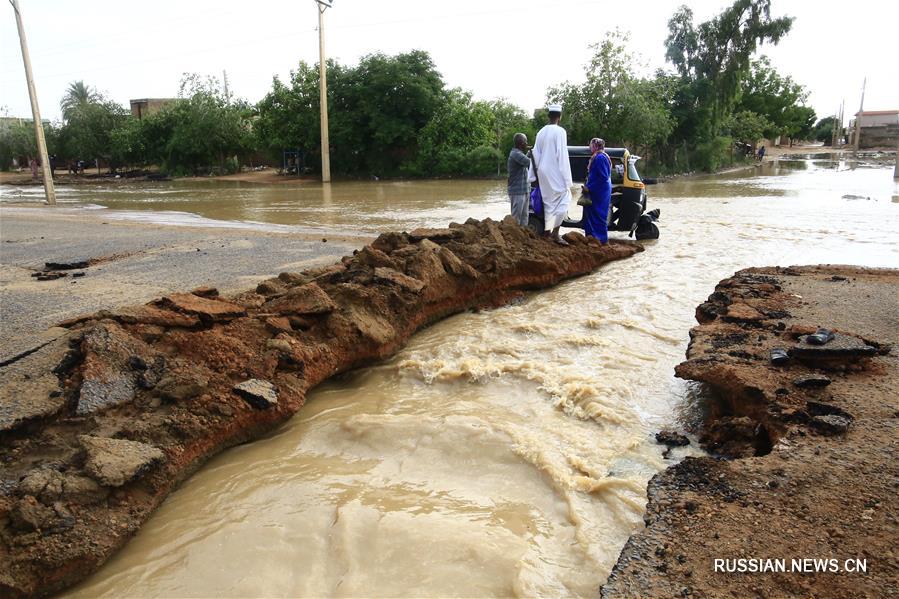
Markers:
883,136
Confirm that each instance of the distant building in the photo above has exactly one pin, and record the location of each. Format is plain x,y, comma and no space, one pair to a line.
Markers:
147,106
879,128
878,118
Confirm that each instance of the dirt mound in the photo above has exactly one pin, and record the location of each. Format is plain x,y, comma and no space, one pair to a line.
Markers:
98,427
817,430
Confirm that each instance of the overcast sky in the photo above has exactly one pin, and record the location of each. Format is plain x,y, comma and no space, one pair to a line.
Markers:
514,49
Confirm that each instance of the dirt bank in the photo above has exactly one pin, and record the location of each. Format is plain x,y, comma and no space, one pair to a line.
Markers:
814,444
99,425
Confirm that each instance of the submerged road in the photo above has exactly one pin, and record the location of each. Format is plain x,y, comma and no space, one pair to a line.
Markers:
132,263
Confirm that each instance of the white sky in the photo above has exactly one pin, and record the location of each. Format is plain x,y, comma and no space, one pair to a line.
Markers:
495,48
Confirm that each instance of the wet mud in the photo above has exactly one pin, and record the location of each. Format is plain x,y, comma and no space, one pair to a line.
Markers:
100,424
804,446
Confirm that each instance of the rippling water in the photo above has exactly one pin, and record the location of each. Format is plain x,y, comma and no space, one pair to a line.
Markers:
503,452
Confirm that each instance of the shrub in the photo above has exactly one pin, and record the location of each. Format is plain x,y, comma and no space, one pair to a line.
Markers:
480,162
711,155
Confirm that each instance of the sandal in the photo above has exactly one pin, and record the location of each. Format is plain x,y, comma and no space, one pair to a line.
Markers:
820,337
561,241
779,356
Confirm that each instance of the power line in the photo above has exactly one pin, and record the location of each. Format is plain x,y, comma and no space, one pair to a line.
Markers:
293,34
129,35
66,48
131,63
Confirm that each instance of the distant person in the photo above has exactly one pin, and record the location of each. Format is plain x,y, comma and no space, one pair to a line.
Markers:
519,188
760,155
33,164
550,167
599,187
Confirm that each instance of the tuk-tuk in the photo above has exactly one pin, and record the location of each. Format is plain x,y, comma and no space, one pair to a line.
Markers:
628,206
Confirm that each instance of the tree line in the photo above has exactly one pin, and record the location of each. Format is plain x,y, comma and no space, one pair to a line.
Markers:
395,116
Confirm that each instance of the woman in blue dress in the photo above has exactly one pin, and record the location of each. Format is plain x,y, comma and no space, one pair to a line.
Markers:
599,186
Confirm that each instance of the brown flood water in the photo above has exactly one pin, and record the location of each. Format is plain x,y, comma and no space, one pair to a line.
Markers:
502,453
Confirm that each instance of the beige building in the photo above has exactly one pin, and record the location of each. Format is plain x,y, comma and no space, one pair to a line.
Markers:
147,106
879,128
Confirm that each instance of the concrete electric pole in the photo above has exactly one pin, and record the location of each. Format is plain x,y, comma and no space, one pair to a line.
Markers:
858,120
836,128
896,168
323,5
49,191
225,85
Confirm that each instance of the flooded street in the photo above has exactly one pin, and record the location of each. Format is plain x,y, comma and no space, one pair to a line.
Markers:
500,453
367,207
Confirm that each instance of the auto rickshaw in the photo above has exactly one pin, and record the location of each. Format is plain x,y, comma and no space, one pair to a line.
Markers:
628,206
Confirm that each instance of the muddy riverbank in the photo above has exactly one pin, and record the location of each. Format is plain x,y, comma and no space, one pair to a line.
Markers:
809,445
102,423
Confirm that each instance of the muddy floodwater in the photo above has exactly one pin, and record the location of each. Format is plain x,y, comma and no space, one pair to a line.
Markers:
501,453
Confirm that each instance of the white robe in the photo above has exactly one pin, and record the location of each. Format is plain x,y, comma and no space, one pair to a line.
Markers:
554,171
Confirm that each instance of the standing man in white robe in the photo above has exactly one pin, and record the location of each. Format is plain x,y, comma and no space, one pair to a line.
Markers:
553,171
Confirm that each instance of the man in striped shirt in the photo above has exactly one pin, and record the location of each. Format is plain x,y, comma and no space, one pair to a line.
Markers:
519,188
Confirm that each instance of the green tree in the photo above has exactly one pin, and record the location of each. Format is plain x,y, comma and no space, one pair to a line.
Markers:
713,58
155,132
823,130
289,113
77,96
87,131
16,142
614,103
128,143
202,131
593,107
376,110
389,100
800,123
508,119
777,98
746,126
459,139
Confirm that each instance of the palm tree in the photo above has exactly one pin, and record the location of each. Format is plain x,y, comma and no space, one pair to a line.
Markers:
77,95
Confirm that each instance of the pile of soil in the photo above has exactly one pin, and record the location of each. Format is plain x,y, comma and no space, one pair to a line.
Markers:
98,426
805,451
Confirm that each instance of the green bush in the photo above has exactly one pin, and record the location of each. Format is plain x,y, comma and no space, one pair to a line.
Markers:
824,130
480,162
448,161
713,154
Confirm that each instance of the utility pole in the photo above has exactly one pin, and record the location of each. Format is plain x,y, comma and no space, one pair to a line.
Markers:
835,127
225,83
858,119
840,124
896,168
49,191
323,5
